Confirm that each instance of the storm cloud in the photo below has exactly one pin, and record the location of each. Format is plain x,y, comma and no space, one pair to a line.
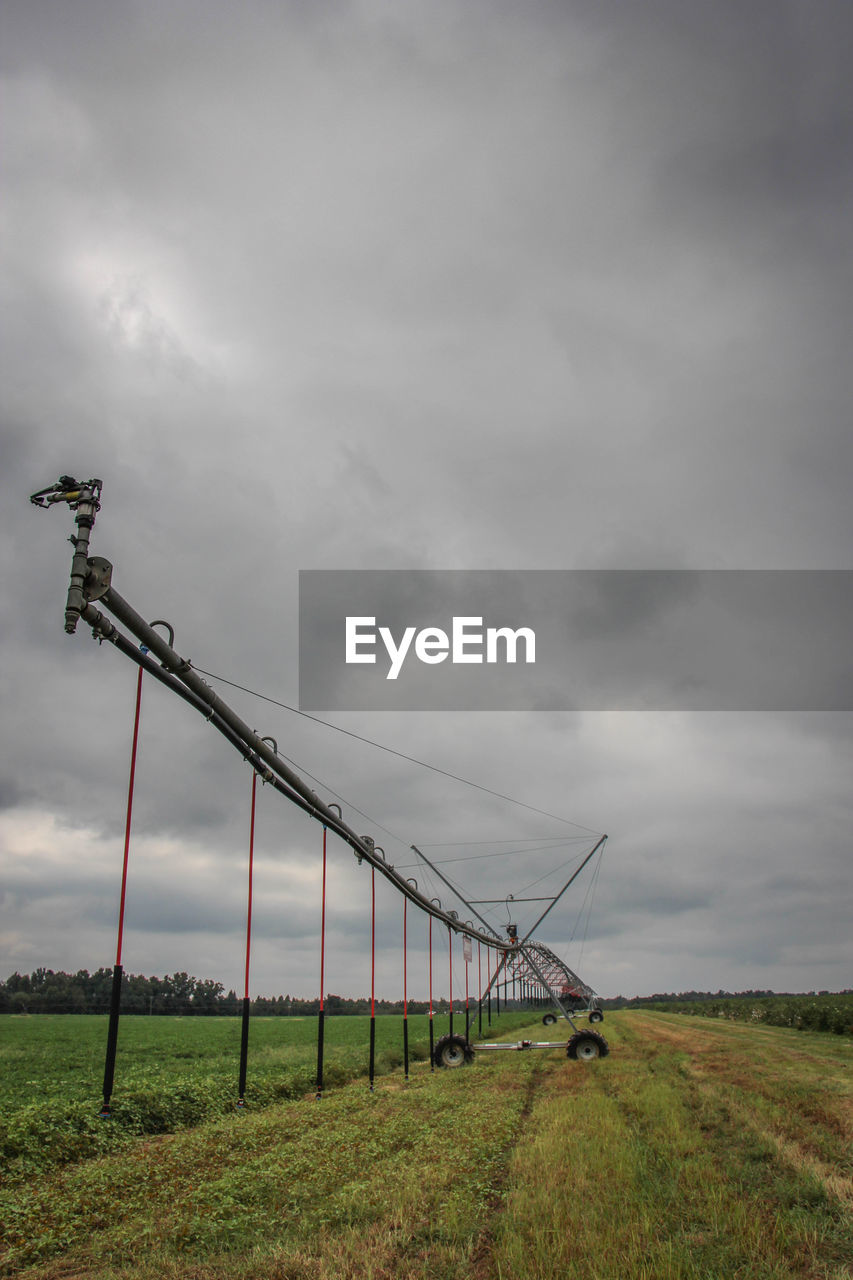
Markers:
437,286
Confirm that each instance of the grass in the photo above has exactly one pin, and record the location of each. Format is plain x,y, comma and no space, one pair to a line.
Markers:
693,1151
171,1073
56,1056
697,1153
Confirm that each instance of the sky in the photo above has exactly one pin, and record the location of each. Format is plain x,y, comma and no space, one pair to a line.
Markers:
444,286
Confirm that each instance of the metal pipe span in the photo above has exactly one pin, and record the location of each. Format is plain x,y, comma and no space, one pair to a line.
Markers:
178,675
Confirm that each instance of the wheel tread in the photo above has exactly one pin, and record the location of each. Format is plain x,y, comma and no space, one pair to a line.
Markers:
581,1038
462,1053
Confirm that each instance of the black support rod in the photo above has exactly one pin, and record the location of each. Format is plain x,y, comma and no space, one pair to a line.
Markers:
112,1040
244,1052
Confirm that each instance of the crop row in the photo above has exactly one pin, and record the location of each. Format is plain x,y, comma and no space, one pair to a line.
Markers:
803,1013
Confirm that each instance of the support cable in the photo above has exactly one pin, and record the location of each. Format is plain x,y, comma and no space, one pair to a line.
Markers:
556,842
392,751
595,876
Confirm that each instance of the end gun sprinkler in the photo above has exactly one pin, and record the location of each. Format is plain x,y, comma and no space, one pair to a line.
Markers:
84,498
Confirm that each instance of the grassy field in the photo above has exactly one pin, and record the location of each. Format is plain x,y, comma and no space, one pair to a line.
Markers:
694,1150
172,1073
56,1056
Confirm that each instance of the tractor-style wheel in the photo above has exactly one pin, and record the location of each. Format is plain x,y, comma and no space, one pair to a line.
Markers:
587,1045
452,1051
549,1019
596,1016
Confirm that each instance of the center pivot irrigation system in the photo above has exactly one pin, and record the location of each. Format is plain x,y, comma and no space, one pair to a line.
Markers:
534,971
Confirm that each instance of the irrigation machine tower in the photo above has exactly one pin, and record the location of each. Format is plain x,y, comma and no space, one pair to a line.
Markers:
528,963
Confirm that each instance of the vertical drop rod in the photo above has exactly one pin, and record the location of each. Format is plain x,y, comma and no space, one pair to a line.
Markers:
115,996
244,1034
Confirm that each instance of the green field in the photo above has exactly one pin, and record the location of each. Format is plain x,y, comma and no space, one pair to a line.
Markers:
696,1150
173,1073
62,1056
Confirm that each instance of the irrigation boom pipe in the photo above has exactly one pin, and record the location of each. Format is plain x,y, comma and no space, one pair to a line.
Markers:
91,579
181,678
103,629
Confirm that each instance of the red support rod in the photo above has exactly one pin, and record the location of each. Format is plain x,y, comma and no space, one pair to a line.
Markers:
115,994
251,870
405,997
244,1029
479,990
450,959
129,813
372,1050
430,968
431,1024
322,1015
323,926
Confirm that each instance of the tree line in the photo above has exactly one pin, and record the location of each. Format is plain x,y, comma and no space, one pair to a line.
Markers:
45,991
697,997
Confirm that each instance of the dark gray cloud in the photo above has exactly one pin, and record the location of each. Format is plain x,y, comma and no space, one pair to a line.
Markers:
449,286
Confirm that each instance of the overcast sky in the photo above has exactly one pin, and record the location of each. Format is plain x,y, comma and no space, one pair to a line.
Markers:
432,285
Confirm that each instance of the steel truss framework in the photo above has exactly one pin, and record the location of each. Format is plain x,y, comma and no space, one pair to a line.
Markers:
559,979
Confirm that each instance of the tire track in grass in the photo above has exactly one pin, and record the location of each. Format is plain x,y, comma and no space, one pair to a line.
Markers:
481,1258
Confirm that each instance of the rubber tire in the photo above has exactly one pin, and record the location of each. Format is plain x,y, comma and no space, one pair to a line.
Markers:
549,1019
452,1051
586,1046
596,1016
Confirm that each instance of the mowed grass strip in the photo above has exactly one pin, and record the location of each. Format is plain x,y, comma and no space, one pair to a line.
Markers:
657,1167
